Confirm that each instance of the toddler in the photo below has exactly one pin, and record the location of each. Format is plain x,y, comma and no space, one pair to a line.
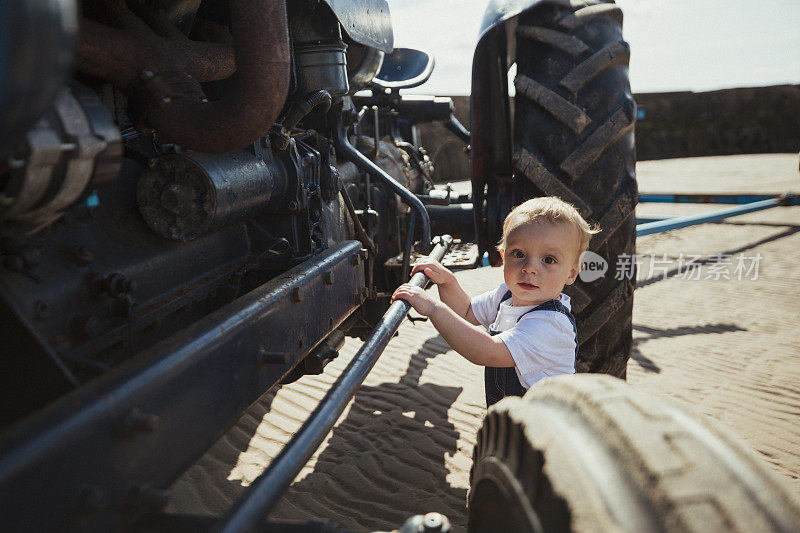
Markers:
530,332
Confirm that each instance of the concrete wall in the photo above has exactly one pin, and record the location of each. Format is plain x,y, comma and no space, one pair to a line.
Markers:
732,121
681,124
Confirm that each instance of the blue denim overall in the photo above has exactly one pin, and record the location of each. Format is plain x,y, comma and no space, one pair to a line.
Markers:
502,382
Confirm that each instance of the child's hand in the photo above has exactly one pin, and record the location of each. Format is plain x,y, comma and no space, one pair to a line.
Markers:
434,270
419,299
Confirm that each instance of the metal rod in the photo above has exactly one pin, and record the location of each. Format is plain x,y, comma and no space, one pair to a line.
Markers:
347,151
682,222
409,244
267,490
704,198
458,129
454,219
653,218
376,132
362,235
368,199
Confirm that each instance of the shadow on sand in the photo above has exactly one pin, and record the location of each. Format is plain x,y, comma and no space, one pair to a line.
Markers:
654,333
787,232
382,464
386,461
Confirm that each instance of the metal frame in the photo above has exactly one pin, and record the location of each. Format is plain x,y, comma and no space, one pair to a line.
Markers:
709,198
267,490
747,205
100,456
346,150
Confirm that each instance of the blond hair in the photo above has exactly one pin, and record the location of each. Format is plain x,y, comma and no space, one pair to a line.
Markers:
549,209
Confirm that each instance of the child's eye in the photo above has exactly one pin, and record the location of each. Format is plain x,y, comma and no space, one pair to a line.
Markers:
549,260
517,254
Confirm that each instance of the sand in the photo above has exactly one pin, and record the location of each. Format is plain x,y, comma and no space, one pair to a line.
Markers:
729,348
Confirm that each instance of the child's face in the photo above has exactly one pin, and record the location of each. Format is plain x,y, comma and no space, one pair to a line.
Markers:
538,260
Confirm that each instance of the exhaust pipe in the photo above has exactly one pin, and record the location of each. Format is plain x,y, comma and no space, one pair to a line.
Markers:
161,75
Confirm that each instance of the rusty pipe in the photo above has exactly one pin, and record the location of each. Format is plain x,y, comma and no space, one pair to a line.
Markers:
120,57
170,100
119,54
249,108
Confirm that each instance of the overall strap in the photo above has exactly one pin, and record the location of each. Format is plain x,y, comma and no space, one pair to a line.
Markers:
503,381
506,296
558,307
550,305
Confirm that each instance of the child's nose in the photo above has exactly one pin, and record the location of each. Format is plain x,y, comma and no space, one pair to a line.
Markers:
529,266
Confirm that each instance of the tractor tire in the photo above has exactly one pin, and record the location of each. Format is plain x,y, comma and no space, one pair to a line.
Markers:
574,117
589,453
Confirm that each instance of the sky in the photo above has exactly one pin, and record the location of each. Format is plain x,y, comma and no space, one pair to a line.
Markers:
676,45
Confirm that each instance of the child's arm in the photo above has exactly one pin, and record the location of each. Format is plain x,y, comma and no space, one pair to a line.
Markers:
450,291
471,341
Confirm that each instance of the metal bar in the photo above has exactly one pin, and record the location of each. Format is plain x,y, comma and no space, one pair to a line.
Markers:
267,490
347,151
706,198
376,126
427,200
363,236
454,219
458,129
653,218
409,243
368,181
682,222
98,456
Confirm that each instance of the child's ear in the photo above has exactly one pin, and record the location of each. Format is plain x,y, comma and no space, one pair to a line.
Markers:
573,272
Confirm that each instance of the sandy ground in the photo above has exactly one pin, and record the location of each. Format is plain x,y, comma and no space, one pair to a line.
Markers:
724,340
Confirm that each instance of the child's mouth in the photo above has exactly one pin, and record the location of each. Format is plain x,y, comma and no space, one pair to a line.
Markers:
527,286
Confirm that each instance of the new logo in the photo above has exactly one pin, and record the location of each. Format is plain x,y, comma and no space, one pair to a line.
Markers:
593,267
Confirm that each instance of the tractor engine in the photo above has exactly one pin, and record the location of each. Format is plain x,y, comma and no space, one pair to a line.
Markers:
142,200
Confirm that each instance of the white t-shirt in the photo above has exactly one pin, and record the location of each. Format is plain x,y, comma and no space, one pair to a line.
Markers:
542,343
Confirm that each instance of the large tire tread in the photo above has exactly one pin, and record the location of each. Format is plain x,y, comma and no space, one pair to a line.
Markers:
617,459
562,109
621,294
613,54
584,156
584,15
547,181
564,42
574,122
618,212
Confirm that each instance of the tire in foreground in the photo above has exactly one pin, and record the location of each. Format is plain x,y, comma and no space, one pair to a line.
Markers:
590,453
